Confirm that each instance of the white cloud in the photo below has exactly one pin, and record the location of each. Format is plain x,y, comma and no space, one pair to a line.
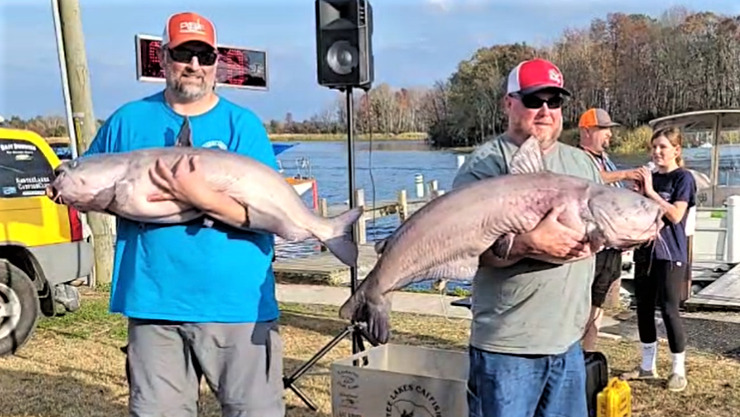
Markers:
441,5
465,6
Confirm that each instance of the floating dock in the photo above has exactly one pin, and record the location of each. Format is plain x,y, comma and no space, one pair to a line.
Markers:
323,268
723,293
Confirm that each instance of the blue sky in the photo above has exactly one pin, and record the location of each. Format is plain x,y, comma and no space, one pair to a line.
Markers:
415,43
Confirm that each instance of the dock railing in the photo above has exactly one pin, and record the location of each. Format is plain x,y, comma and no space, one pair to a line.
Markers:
403,207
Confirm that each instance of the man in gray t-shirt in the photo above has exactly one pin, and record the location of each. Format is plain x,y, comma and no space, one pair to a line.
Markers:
529,315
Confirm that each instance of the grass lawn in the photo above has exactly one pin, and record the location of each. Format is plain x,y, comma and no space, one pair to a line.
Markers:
73,366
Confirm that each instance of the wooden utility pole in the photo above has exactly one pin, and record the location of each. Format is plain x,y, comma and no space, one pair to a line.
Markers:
85,125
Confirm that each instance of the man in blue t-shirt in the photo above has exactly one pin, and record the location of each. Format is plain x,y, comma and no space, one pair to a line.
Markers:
200,298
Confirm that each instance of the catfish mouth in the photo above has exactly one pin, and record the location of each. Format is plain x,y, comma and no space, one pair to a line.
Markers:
52,190
62,190
53,194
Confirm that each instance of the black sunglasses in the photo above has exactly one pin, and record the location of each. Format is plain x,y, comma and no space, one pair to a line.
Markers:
185,56
531,101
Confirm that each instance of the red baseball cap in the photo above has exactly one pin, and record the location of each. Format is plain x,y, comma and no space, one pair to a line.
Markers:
534,75
186,27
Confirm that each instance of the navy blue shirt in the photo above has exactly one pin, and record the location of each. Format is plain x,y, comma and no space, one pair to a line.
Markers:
677,185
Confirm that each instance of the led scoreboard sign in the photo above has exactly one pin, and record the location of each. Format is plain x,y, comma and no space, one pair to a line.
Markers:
237,67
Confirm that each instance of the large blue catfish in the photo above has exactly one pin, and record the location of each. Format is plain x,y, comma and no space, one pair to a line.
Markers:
119,184
446,237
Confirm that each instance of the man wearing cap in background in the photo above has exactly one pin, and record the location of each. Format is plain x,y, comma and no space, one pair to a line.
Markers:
595,127
529,315
199,297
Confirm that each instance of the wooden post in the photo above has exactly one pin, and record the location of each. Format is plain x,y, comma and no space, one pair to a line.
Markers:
403,206
323,212
686,288
102,226
361,226
433,188
419,183
323,208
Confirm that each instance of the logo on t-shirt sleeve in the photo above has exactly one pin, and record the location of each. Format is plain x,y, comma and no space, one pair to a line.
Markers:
215,144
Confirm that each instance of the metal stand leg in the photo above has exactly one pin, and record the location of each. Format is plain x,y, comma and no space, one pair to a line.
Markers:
357,331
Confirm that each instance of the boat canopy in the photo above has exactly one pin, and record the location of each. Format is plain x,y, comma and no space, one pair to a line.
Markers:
711,147
700,120
279,148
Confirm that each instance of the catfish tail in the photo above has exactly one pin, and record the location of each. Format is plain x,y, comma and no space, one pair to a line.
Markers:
338,237
368,306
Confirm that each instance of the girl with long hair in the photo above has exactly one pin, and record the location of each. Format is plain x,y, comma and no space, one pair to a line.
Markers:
660,267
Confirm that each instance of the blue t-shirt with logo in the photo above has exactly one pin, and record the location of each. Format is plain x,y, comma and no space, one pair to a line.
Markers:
677,185
190,272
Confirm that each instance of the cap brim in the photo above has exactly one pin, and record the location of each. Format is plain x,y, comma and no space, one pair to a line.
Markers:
612,124
538,88
185,39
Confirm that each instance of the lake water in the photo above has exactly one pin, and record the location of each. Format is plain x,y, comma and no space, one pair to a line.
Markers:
393,167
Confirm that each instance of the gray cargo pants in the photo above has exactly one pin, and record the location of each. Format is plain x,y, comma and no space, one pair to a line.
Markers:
242,364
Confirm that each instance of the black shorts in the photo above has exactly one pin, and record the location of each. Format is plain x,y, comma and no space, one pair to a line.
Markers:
608,269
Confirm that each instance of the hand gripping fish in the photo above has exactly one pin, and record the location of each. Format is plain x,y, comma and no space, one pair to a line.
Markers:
446,237
120,183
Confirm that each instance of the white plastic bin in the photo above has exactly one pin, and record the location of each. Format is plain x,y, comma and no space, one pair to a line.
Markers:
401,380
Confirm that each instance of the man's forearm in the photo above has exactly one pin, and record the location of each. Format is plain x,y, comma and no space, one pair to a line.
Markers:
227,210
519,249
613,176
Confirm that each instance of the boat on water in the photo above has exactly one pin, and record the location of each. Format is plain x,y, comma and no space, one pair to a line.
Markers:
301,182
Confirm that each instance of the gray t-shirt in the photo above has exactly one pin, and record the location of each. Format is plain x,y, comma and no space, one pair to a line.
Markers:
531,307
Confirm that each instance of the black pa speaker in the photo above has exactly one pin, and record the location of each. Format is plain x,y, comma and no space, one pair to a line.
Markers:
344,43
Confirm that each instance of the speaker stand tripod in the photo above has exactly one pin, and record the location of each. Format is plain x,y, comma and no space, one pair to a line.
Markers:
356,330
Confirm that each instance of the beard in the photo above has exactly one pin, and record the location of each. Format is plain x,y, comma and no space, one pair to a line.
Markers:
547,136
188,91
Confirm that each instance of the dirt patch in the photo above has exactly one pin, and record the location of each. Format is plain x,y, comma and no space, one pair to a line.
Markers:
73,366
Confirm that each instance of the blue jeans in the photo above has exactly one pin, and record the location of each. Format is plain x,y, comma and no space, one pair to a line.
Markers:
503,385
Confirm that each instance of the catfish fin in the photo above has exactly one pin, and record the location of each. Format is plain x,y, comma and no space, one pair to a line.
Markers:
185,137
528,158
122,191
380,246
502,246
105,197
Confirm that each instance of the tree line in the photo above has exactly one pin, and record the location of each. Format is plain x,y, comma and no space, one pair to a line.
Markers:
46,126
635,66
382,110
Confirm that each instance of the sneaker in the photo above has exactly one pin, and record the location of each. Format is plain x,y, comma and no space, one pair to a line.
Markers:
676,383
639,373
